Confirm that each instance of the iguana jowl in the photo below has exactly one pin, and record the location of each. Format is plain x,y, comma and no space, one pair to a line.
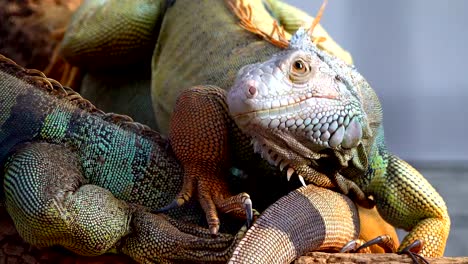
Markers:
317,116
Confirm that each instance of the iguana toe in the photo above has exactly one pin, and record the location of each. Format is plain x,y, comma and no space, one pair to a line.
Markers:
384,241
352,246
215,199
412,250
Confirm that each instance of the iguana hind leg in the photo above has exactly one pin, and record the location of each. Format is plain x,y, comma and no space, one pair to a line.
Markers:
51,204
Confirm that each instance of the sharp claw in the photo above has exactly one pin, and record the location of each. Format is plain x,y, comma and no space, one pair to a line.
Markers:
301,179
174,204
415,246
289,173
283,164
349,247
369,243
248,212
214,231
384,241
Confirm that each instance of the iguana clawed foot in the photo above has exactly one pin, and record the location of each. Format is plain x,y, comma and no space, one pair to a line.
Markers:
213,197
353,245
182,241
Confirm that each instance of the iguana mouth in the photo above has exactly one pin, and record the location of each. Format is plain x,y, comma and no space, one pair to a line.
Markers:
277,107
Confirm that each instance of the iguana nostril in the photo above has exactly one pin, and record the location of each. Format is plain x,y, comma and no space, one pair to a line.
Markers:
252,90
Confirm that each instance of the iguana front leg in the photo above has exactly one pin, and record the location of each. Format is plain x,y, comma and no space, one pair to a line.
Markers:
407,200
199,131
51,204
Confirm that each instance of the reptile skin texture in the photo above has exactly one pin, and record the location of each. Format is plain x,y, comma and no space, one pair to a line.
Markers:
189,52
309,206
85,180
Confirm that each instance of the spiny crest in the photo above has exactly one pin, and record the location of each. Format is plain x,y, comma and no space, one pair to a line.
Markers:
302,39
318,17
277,36
38,80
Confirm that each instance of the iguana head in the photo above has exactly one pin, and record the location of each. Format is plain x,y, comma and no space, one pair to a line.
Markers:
299,105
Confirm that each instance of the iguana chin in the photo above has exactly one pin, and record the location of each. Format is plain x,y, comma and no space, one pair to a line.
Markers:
317,117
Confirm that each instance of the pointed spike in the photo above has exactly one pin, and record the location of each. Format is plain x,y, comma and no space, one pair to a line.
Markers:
272,161
283,164
248,212
301,179
256,147
289,173
317,18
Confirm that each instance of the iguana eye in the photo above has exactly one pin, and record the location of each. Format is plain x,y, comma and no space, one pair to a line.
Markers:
299,66
300,71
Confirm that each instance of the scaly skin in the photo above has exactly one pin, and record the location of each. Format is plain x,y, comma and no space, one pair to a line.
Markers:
189,52
68,164
304,206
316,115
85,180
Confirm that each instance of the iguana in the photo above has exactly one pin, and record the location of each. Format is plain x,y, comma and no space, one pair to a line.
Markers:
198,42
189,53
86,180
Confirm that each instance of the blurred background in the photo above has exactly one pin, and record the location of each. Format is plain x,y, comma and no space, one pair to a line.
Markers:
414,54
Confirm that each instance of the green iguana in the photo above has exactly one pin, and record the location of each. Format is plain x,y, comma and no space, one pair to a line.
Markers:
189,52
86,180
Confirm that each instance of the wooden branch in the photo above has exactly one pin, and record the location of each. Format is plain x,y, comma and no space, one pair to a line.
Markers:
323,258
